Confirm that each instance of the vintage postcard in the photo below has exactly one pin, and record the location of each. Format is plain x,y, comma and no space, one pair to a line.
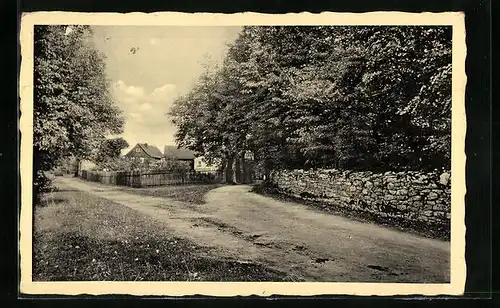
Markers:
181,154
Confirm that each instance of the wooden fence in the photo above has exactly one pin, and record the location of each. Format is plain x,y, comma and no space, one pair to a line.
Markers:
139,179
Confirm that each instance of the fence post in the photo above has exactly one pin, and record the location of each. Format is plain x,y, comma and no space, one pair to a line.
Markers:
136,179
139,179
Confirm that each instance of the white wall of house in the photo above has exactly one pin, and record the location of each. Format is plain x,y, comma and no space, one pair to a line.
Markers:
202,166
86,165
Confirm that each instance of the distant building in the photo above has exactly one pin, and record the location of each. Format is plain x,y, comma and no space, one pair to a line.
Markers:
201,165
87,165
144,151
179,154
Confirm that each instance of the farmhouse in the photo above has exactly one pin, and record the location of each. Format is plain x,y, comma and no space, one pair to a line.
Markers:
144,151
180,154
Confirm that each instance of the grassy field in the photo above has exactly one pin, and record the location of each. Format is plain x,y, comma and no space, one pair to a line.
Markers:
80,237
189,193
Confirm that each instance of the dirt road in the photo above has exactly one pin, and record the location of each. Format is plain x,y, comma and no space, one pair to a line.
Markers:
308,244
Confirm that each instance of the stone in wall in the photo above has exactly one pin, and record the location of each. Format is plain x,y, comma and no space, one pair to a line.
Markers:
411,195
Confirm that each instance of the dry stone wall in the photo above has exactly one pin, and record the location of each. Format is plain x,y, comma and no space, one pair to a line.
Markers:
417,196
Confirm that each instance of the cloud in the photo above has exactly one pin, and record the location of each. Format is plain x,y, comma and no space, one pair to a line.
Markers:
127,94
146,106
163,93
163,89
146,119
135,115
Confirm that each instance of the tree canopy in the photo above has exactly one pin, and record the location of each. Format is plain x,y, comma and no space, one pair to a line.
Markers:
110,149
73,108
362,98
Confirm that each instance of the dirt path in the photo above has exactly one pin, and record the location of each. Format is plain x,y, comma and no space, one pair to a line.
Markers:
309,244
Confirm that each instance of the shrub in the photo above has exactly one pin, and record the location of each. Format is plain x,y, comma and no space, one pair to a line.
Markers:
41,184
130,164
169,165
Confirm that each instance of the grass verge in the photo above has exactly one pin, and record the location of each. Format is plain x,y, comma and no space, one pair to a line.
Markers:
80,237
189,193
434,231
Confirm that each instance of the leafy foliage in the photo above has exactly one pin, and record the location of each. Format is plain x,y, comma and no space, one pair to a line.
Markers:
111,149
73,109
133,164
375,98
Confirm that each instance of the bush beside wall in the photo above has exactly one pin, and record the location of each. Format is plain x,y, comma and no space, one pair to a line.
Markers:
411,195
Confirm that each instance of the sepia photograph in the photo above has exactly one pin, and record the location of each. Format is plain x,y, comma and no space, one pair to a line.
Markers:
290,153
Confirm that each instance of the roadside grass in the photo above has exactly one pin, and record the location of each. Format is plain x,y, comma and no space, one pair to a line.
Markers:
81,237
434,231
186,193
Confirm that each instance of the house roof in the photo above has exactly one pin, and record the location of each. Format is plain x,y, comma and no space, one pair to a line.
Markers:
151,150
172,151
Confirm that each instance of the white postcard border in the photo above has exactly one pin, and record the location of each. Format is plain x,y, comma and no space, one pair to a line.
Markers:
458,264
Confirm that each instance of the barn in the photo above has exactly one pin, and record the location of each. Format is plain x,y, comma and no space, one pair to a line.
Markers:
180,154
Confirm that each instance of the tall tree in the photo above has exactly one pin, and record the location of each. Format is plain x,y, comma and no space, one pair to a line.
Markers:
73,108
111,149
375,98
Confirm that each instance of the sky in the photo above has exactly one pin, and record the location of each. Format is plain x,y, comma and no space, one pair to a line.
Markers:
149,66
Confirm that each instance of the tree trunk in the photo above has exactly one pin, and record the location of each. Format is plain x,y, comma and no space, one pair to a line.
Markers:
266,173
78,166
250,172
229,171
237,170
244,168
